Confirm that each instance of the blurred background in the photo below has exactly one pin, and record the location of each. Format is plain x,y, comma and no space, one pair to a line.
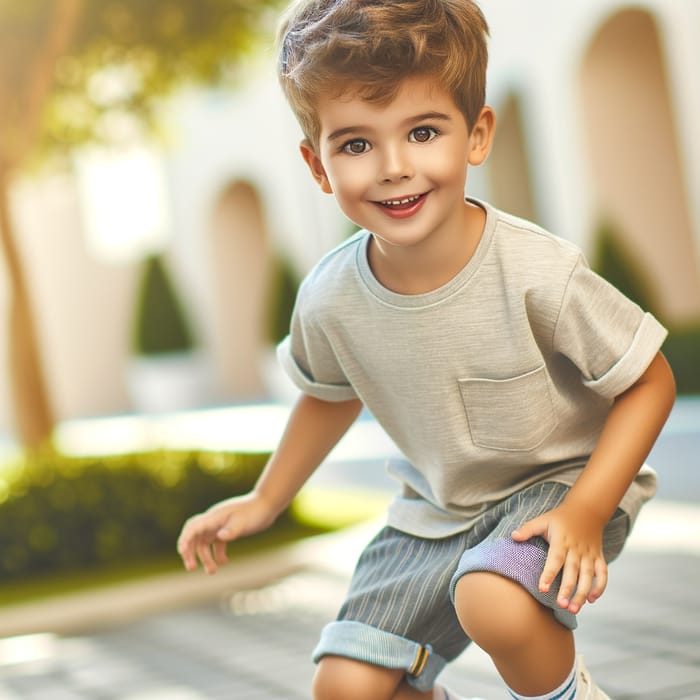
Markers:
156,219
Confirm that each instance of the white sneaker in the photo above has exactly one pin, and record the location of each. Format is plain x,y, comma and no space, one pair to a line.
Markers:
586,688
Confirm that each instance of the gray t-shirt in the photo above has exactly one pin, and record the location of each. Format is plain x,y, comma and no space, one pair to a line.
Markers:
501,378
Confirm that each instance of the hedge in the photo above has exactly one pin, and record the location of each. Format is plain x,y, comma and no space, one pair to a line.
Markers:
60,513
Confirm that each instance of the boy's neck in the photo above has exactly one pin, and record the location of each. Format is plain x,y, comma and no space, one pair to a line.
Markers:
423,268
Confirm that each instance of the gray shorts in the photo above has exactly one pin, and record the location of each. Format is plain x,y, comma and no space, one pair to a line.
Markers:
399,610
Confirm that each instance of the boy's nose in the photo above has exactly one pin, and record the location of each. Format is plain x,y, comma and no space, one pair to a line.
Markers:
395,165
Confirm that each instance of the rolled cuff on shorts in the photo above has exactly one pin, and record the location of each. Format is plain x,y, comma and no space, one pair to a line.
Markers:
362,642
521,562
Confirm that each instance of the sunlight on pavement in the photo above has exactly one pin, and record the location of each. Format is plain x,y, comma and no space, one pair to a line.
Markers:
165,693
667,526
30,648
253,428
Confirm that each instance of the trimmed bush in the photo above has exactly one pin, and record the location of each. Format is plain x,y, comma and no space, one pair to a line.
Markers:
617,264
682,350
160,324
59,513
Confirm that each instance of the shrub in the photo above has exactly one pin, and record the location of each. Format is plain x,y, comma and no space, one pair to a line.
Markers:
682,350
160,324
617,264
59,513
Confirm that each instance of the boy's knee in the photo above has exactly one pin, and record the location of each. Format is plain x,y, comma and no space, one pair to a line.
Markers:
339,678
496,613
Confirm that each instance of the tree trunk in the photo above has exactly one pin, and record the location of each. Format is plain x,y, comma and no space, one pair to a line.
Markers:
34,418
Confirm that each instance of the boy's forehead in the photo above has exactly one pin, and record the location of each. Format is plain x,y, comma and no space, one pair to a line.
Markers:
406,93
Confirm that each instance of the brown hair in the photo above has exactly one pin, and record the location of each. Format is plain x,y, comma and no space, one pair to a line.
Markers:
371,46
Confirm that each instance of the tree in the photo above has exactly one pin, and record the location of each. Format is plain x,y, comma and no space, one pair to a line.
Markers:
80,71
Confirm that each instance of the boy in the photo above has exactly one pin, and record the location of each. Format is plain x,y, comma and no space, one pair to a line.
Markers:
523,390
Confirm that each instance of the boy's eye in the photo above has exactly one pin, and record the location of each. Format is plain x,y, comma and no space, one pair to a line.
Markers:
422,134
356,147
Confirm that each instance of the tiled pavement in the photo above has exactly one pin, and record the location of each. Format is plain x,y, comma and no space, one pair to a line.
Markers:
238,641
641,640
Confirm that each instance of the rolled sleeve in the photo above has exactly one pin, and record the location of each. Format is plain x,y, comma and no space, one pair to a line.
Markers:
646,344
326,391
606,335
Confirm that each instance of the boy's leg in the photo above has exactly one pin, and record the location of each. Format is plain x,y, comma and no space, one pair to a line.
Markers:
339,678
499,605
532,651
397,628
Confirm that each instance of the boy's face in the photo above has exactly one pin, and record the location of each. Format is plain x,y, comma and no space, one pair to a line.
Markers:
398,169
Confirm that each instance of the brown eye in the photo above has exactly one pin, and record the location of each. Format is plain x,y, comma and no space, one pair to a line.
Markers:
423,134
356,147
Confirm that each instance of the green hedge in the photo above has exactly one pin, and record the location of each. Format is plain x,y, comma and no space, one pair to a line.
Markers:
59,514
682,350
618,264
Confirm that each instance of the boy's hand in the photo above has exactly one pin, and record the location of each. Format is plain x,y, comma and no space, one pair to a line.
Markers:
575,549
204,536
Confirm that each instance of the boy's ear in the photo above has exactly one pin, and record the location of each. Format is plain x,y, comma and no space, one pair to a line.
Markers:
315,166
481,136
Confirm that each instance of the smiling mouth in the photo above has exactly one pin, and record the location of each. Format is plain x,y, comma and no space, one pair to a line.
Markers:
402,203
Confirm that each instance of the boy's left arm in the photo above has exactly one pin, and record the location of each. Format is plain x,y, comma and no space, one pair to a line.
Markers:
574,529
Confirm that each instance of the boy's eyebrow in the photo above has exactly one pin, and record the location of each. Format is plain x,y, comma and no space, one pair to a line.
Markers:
427,116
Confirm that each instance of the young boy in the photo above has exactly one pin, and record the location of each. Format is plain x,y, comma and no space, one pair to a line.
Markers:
523,390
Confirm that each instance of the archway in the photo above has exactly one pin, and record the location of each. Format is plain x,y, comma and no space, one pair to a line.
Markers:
240,260
508,164
634,158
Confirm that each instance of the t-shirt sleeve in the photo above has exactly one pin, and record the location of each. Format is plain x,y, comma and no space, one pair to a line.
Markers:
608,337
309,359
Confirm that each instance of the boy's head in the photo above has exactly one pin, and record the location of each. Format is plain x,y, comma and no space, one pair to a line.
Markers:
371,46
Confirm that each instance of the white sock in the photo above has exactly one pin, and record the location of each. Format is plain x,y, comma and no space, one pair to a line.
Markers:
566,691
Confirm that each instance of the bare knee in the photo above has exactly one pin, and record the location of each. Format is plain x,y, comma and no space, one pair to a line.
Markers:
498,613
339,678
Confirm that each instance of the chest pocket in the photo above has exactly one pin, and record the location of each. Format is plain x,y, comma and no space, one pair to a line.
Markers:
513,414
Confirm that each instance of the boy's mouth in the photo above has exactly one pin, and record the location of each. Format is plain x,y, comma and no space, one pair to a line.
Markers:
403,206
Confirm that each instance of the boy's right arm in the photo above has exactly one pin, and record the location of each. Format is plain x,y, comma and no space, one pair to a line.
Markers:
313,429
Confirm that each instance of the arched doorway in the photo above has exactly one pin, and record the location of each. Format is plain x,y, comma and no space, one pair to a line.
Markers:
240,260
634,158
508,166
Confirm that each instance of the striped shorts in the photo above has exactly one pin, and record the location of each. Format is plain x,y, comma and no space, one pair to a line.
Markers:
399,610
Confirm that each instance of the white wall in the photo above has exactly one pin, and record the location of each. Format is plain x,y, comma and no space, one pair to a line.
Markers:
217,138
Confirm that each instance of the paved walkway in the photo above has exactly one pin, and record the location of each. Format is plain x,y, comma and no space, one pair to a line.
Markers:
642,639
246,634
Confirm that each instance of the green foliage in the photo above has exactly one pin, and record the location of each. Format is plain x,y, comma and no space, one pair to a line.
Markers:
613,261
682,347
682,350
283,293
160,325
120,58
59,513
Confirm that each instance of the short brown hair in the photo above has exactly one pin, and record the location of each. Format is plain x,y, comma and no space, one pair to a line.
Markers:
373,45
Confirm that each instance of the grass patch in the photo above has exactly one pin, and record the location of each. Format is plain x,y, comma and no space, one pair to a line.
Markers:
70,582
314,511
333,509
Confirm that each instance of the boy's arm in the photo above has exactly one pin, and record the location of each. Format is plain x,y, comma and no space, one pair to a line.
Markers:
313,429
574,530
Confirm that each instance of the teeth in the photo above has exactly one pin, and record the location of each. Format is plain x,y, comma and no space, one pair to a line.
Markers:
397,202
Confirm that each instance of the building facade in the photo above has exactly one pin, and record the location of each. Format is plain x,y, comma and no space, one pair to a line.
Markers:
597,105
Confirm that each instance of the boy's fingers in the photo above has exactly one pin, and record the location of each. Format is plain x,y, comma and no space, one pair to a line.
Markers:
220,557
552,566
569,578
205,556
532,528
583,587
188,559
600,580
